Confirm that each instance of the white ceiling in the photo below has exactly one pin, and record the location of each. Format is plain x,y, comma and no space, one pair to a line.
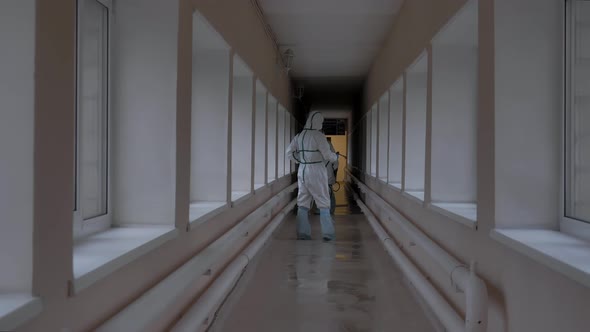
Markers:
331,38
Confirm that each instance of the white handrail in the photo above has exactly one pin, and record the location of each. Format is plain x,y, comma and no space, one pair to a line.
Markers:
199,316
449,318
160,304
462,278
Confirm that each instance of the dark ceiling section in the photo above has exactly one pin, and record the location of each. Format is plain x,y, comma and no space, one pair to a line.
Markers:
326,94
331,94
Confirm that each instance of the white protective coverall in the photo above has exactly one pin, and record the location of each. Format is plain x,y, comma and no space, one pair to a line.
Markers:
311,150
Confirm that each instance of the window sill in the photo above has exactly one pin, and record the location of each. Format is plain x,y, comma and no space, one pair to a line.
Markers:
203,211
558,251
396,185
258,186
16,309
99,255
417,196
239,196
463,213
383,179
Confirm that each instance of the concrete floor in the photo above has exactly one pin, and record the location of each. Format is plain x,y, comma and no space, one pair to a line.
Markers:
346,285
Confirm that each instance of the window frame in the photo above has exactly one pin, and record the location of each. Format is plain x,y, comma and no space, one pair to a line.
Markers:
84,227
571,226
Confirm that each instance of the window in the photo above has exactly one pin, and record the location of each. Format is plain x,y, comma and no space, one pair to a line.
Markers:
260,137
242,119
92,118
17,133
281,141
374,139
396,120
125,140
577,115
454,117
272,138
536,155
288,131
367,127
415,158
209,121
383,137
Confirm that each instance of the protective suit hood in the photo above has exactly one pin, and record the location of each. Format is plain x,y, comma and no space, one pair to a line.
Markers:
314,121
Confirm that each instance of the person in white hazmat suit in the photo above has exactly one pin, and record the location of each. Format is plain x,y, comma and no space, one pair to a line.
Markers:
311,150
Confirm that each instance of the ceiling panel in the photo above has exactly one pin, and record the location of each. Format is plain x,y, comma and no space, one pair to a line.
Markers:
331,38
329,28
329,6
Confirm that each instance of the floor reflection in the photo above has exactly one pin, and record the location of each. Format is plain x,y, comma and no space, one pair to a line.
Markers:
349,284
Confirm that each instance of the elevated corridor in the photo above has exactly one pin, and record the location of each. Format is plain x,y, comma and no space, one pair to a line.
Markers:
350,284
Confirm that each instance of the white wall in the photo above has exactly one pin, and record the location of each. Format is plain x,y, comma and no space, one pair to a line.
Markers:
383,136
271,139
396,105
260,133
209,121
53,23
528,102
454,123
242,133
143,113
519,95
415,131
17,65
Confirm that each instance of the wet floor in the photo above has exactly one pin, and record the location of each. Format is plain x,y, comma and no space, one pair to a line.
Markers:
346,285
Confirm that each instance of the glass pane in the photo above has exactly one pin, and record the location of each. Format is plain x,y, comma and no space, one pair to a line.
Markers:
374,145
578,116
92,109
272,140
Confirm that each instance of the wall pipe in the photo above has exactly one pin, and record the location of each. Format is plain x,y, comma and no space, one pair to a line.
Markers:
159,306
448,317
200,315
462,278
